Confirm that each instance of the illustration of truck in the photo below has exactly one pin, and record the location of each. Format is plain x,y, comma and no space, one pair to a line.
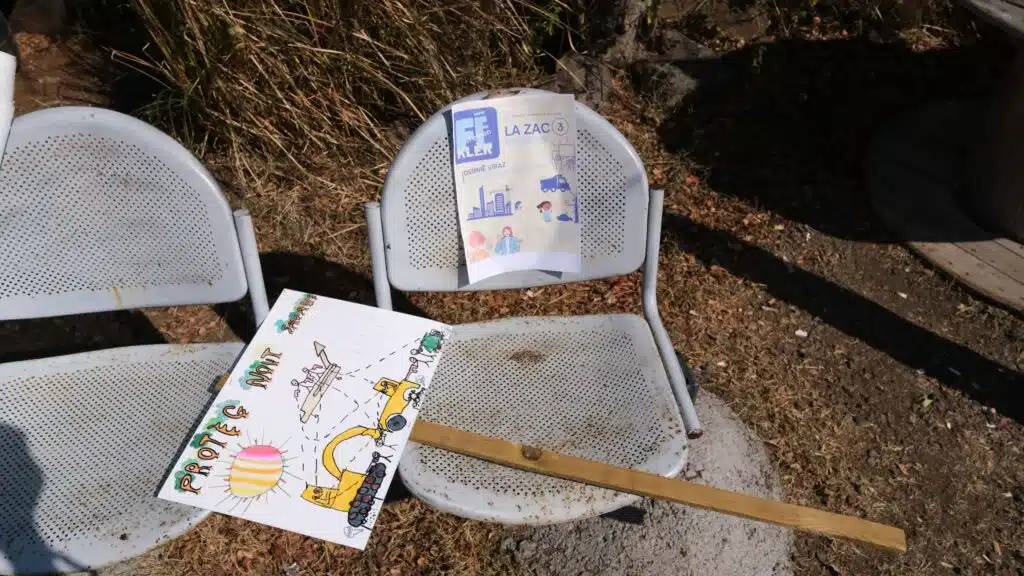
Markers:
556,183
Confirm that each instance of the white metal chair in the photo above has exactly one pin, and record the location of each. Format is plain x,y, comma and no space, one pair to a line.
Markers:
608,388
103,212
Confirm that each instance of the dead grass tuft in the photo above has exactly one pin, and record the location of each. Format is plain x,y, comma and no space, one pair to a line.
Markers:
309,84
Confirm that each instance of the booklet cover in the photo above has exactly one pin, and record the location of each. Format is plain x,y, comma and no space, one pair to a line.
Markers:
307,432
515,183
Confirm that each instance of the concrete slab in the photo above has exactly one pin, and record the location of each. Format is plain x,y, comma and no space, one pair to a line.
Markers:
673,539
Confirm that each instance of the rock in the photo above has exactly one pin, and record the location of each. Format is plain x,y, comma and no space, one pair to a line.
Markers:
589,78
679,66
508,544
665,81
674,45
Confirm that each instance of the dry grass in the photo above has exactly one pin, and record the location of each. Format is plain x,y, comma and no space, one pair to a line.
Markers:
402,544
298,107
305,88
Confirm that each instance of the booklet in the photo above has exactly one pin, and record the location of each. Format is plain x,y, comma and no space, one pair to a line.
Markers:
515,184
307,432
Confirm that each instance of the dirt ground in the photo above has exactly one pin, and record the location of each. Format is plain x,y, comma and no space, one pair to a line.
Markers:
881,388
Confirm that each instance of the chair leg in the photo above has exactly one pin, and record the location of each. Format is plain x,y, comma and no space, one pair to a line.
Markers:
375,230
251,262
661,337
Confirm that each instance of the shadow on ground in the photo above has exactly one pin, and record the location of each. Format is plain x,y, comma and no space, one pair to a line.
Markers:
790,126
21,543
986,381
314,275
114,26
45,337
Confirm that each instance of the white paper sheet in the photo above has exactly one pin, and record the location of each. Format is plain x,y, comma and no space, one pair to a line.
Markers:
515,180
307,432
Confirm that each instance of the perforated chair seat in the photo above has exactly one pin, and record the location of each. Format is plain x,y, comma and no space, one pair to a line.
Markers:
589,386
87,439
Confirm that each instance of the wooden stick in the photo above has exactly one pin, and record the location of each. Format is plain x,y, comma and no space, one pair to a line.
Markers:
654,486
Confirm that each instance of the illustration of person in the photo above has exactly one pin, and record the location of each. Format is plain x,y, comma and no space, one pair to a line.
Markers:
545,210
299,387
310,376
477,242
508,244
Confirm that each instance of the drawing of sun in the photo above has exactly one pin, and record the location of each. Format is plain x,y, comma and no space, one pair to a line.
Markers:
255,471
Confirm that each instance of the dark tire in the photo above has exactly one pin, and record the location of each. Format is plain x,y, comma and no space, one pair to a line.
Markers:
692,386
395,422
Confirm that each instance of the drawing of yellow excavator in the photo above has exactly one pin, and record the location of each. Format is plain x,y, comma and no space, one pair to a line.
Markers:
355,492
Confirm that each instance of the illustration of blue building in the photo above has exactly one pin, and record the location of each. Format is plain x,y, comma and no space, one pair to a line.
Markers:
499,205
476,135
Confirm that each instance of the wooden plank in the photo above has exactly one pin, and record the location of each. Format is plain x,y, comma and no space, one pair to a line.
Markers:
997,256
973,272
1010,245
654,486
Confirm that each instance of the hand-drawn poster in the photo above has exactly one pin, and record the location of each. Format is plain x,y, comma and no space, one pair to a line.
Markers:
307,432
515,181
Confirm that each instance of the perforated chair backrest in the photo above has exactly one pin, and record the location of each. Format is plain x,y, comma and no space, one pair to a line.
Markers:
421,225
100,211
